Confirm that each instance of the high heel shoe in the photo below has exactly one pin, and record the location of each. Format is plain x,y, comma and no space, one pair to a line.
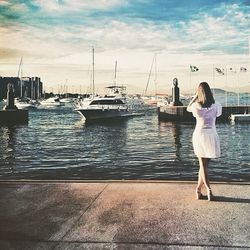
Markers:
210,196
198,194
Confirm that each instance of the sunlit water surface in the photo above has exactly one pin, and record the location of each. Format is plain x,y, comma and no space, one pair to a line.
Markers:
57,144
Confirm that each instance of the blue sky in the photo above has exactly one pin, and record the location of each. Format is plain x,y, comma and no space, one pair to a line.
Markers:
55,39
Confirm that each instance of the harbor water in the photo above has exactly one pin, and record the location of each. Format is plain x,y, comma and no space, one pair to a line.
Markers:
56,144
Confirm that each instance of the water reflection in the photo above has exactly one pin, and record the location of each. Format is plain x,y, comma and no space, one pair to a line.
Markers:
8,139
174,132
177,141
58,145
104,138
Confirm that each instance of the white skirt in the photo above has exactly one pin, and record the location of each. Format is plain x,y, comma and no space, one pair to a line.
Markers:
206,143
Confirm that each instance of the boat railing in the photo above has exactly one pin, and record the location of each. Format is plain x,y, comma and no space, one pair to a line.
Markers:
107,107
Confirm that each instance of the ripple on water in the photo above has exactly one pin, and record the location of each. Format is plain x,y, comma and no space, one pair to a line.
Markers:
57,144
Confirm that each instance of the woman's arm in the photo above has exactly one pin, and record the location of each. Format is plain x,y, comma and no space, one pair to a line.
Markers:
191,102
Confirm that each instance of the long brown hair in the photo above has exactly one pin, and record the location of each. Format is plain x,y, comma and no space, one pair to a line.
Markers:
205,96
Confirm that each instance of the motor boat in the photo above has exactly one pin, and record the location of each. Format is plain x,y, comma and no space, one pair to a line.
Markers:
67,100
25,103
113,105
51,102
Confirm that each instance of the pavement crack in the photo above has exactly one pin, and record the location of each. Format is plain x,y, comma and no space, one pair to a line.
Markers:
82,214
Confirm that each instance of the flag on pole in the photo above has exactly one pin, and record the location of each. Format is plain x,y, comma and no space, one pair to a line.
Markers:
193,68
243,69
219,70
232,69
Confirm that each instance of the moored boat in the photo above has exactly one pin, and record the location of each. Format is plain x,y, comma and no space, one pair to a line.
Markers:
240,117
51,102
25,103
67,100
113,105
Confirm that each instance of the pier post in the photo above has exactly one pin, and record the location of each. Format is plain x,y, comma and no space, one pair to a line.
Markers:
11,114
176,93
10,105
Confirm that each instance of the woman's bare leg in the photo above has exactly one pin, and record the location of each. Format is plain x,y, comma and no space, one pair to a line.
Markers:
199,187
200,181
203,173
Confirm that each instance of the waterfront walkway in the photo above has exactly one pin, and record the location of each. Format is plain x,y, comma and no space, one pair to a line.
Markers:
122,215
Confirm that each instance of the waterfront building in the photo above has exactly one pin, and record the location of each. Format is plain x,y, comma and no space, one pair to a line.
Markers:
30,87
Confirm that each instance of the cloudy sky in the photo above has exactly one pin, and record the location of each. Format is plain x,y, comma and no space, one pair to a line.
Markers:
55,39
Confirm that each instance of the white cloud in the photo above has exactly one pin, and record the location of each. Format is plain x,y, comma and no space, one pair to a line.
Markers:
4,3
18,8
76,5
218,34
64,51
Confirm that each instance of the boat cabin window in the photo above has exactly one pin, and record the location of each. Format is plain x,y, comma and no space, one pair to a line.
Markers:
107,102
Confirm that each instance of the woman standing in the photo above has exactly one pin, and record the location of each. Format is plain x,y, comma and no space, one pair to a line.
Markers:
205,138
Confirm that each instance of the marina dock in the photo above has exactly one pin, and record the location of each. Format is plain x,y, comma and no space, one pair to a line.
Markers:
180,113
122,215
9,117
10,114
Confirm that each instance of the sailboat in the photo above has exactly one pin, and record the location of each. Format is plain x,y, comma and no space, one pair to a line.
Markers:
23,102
150,100
153,100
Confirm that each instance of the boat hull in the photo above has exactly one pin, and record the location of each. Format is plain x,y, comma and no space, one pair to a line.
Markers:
100,114
240,117
51,104
25,106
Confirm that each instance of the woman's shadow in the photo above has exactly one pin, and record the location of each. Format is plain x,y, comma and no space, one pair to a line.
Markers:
228,199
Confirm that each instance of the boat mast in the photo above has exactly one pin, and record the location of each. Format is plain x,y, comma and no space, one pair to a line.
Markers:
115,73
20,72
155,80
150,72
93,70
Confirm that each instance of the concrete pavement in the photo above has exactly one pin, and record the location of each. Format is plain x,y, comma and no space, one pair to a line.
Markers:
122,215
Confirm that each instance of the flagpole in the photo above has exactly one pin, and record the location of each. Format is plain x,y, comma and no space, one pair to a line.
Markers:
238,88
93,72
249,47
226,90
249,52
192,69
190,84
213,79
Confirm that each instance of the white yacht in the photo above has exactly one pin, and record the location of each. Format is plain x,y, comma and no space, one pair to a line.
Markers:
67,100
51,102
113,105
25,103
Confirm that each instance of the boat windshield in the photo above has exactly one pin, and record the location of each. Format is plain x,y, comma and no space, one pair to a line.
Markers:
107,102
